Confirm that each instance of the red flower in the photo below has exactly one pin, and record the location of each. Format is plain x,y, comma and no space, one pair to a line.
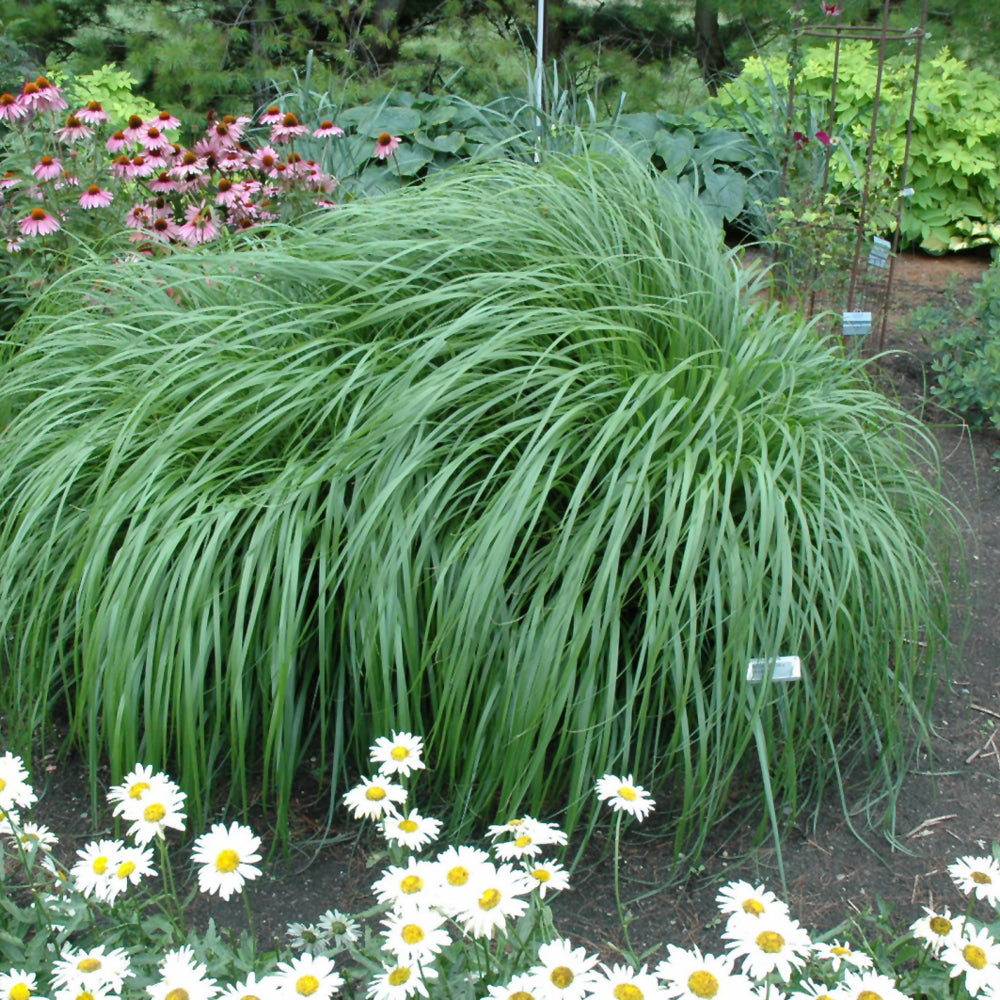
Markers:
799,139
824,138
831,9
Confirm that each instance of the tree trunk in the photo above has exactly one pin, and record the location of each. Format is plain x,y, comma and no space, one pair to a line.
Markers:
709,50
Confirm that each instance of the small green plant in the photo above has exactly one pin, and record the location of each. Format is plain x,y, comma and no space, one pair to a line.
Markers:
966,344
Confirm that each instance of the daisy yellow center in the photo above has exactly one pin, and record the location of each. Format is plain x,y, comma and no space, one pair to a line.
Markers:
703,984
561,977
85,996
940,926
975,956
981,878
19,992
627,991
154,812
754,906
399,753
770,942
227,861
3,784
249,996
541,874
399,976
489,899
520,995
458,875
840,951
100,865
125,869
869,995
178,993
522,841
412,934
627,793
375,794
408,826
88,965
411,884
306,986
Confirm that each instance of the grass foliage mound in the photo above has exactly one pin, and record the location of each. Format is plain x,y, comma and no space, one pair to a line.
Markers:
510,460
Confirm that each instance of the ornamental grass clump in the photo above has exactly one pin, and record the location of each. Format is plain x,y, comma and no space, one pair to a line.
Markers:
513,460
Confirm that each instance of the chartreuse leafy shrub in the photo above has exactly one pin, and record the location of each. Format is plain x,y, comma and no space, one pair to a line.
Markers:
512,459
966,343
954,170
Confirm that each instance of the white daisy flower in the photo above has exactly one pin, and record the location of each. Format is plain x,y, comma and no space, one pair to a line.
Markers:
979,877
839,953
374,798
539,831
621,982
808,990
977,955
742,897
93,872
157,809
498,896
338,928
416,936
936,929
405,888
549,876
76,992
36,837
227,859
137,781
690,975
562,971
304,937
412,831
769,943
398,755
397,982
455,872
868,985
132,865
307,975
624,795
18,985
10,823
15,791
92,969
519,988
251,988
180,971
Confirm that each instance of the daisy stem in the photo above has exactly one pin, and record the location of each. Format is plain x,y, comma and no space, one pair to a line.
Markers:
624,918
175,912
250,924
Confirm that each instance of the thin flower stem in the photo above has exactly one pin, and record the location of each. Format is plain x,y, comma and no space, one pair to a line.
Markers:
624,918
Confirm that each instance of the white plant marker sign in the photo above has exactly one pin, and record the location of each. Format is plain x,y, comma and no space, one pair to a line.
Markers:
878,256
782,668
857,324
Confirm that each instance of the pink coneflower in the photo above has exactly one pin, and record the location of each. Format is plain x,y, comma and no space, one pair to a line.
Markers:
165,121
38,222
139,167
120,167
11,109
199,227
231,160
9,180
117,143
93,114
134,129
189,166
74,130
326,129
163,184
272,116
386,145
138,216
43,96
152,139
265,159
288,130
162,229
47,169
95,197
14,245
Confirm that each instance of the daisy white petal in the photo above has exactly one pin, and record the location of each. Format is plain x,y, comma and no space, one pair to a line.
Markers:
977,955
227,858
866,985
624,795
742,897
549,876
690,975
311,976
15,791
399,754
374,798
979,877
621,982
563,972
400,981
413,830
767,944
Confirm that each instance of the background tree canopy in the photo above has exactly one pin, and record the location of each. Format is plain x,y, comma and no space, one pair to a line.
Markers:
195,55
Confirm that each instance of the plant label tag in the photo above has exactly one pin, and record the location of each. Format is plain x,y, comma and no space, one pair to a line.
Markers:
782,668
878,256
857,324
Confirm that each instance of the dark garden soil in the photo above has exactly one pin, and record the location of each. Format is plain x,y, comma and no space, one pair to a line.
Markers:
950,802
